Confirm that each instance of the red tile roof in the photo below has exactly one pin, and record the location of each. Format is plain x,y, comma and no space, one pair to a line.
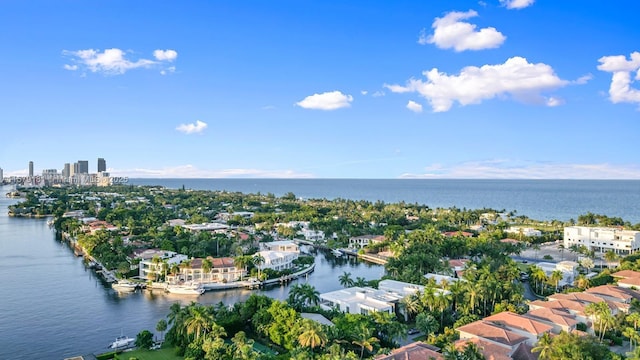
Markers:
494,333
627,274
414,351
519,322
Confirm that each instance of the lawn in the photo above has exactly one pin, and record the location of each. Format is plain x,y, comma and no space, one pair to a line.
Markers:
160,354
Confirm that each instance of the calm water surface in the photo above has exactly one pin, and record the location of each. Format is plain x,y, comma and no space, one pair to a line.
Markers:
52,307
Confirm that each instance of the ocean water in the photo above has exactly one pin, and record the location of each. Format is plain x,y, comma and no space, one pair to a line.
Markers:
537,199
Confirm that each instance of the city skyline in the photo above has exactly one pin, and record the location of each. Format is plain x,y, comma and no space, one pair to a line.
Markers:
472,89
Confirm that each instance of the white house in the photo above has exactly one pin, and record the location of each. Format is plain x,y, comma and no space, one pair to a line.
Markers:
364,300
277,260
359,242
602,239
525,231
147,269
312,235
211,227
568,269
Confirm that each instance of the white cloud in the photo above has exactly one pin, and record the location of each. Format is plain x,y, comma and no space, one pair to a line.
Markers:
190,171
193,128
269,107
414,106
553,101
451,32
170,69
620,89
378,94
113,61
165,55
364,92
509,169
517,4
326,101
584,79
517,78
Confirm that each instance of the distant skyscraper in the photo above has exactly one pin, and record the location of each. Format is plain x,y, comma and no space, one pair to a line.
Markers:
102,165
74,169
83,167
30,168
66,172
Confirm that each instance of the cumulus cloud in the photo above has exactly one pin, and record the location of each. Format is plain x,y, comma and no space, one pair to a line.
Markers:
165,55
554,101
516,78
114,61
513,169
516,4
326,101
584,79
451,32
621,81
190,171
414,106
192,128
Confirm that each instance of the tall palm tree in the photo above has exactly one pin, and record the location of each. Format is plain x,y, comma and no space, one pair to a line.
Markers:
364,339
207,265
632,334
258,260
345,279
544,346
555,278
311,334
610,256
199,321
241,262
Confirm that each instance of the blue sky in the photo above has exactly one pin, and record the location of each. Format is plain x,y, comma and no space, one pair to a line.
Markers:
323,89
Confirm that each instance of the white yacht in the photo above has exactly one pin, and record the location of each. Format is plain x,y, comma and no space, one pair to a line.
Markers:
337,252
186,289
122,342
124,286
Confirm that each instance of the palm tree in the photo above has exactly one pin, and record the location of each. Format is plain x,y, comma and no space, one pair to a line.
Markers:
311,334
241,262
412,304
426,323
162,327
199,321
258,260
587,263
538,276
632,334
360,281
555,278
346,280
311,295
207,265
561,248
581,281
544,346
601,313
364,339
610,256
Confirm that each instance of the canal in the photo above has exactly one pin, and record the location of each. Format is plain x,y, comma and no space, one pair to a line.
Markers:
52,306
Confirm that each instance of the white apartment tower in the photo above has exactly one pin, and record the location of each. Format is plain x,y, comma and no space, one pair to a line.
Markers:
602,239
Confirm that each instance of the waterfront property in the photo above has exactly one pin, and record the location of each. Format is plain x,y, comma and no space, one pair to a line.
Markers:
148,268
212,227
365,300
602,239
359,242
216,270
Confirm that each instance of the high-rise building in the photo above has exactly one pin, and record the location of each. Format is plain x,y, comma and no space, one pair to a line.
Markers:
83,167
66,172
1,176
74,169
30,168
102,165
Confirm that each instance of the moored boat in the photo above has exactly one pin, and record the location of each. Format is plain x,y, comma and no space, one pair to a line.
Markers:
186,289
124,286
122,342
337,252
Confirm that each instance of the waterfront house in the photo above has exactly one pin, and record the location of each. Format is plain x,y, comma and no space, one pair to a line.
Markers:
603,239
150,269
359,242
277,260
282,246
221,270
524,231
364,300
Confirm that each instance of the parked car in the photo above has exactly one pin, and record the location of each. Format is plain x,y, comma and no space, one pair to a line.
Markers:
413,331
